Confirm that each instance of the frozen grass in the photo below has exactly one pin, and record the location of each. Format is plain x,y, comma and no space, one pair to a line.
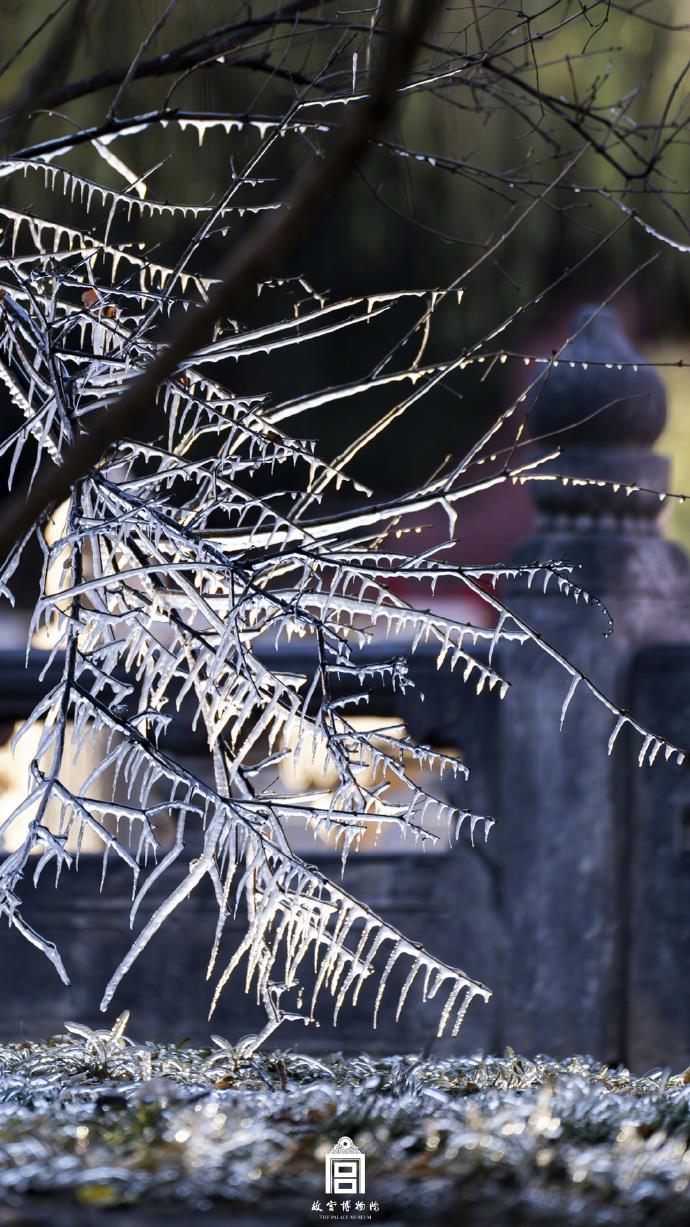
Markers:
95,1117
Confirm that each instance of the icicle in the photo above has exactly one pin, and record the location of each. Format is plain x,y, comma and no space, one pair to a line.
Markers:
619,725
448,1008
569,697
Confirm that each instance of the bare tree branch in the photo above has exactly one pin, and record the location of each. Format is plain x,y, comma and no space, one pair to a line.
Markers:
34,34
150,37
224,40
262,255
56,59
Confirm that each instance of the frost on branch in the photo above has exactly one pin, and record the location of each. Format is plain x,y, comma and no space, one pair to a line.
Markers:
174,577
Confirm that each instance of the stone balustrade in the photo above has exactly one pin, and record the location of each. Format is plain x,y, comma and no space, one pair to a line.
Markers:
577,911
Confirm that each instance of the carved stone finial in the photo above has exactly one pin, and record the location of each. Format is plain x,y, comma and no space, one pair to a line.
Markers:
607,410
631,396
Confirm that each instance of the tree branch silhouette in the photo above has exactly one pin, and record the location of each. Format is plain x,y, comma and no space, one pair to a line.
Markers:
262,255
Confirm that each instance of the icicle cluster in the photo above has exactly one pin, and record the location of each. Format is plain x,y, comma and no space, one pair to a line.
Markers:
173,580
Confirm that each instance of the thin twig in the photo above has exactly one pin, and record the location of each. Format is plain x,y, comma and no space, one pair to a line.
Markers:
56,60
259,257
150,37
210,45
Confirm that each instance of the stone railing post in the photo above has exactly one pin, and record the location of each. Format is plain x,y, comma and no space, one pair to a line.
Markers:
658,946
563,840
